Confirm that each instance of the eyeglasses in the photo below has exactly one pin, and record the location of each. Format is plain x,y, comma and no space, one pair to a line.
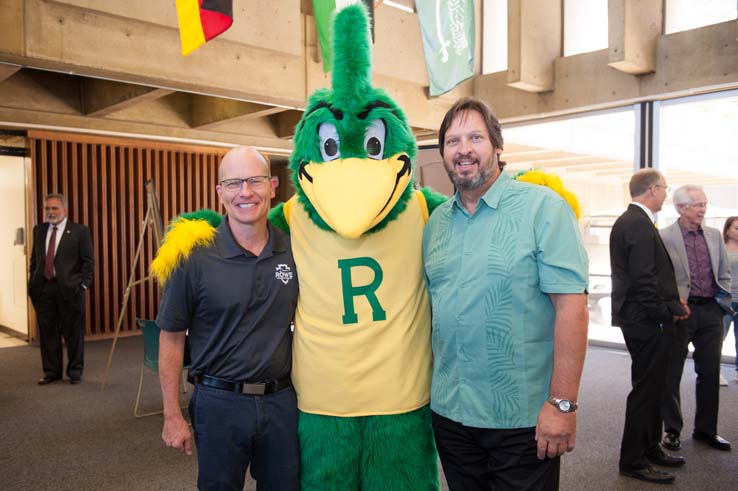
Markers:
667,188
702,205
235,184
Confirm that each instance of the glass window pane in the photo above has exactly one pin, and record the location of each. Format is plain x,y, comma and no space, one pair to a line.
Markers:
494,36
682,15
697,146
585,26
593,154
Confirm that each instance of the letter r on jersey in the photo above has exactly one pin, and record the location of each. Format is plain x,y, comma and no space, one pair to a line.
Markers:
349,290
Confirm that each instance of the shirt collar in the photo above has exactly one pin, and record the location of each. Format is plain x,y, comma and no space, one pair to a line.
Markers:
59,226
493,195
650,214
686,231
229,248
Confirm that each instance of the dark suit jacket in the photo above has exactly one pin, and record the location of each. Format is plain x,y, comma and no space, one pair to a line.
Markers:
73,261
644,290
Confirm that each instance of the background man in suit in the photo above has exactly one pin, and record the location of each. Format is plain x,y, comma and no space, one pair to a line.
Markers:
61,273
703,276
645,304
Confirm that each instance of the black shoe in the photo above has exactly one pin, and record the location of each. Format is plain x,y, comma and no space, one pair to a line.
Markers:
659,457
715,441
74,381
671,441
648,474
47,380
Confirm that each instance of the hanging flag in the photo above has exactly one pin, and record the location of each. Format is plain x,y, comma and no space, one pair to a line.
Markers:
202,20
324,11
447,27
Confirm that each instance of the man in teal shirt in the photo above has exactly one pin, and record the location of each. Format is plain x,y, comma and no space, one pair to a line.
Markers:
507,275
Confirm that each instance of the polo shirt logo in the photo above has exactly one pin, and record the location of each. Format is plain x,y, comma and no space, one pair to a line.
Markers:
283,273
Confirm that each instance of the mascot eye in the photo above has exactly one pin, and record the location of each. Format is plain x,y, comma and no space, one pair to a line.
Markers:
374,139
329,141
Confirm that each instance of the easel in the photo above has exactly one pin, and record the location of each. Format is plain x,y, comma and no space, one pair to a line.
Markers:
153,218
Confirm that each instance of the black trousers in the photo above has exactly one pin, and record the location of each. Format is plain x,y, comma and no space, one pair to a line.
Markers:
481,459
60,318
704,329
650,356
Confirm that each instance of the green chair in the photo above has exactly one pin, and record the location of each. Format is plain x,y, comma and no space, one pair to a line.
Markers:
151,360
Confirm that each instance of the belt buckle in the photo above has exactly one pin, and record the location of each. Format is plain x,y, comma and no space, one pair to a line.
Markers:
254,389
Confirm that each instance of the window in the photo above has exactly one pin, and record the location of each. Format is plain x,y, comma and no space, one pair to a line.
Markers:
593,154
696,145
585,26
494,36
682,15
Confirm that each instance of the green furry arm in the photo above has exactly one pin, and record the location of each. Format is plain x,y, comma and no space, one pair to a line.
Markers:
433,199
212,217
276,216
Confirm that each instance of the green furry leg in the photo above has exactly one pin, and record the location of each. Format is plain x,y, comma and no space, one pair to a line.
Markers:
329,453
372,453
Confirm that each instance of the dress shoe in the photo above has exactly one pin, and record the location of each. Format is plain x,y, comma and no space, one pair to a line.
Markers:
75,381
671,441
47,380
659,457
648,474
715,441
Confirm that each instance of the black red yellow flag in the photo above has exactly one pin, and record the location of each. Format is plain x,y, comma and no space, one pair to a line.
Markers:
202,20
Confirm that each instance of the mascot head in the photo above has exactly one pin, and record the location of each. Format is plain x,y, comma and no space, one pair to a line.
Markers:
353,153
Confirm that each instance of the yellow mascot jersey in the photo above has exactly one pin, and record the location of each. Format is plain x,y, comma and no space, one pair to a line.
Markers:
362,342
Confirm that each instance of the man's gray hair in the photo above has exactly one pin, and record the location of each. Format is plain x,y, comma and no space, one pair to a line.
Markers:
642,180
58,196
682,196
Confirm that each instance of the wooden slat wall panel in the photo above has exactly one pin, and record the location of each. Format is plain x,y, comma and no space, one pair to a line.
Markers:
103,179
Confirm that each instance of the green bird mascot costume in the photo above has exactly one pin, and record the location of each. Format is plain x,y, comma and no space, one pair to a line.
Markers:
362,347
362,343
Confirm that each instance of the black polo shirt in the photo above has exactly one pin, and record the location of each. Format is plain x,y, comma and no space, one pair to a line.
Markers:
238,307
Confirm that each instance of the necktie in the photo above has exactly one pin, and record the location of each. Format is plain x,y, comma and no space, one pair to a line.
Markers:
49,263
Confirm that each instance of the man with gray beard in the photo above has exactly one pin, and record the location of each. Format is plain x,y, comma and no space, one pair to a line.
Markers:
507,275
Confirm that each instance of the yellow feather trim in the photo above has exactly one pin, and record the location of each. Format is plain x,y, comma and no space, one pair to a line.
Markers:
181,238
554,182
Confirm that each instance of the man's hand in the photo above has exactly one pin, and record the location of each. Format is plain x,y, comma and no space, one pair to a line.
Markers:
688,312
556,432
176,434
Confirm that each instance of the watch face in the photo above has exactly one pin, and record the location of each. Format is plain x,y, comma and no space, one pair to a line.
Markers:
564,405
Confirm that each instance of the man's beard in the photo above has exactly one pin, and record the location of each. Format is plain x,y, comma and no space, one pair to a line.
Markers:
474,182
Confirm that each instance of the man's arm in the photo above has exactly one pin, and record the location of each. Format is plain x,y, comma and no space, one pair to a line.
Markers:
556,431
86,258
176,432
33,264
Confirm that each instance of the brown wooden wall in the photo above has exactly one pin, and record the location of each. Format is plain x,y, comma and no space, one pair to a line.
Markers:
103,180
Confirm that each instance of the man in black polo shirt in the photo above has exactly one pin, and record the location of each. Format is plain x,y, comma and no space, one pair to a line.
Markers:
236,295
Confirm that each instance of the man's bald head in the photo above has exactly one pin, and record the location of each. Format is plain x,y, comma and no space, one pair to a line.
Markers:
239,155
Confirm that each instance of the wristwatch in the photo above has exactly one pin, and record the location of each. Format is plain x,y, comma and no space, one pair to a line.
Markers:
563,405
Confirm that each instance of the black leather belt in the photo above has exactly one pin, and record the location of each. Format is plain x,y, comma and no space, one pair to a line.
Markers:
259,389
699,300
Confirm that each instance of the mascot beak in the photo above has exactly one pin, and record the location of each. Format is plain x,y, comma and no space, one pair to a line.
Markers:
353,195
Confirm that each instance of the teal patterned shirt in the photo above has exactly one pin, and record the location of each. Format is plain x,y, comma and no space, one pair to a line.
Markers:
489,275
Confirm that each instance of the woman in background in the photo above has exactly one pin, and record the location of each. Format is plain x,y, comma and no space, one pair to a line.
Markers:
730,236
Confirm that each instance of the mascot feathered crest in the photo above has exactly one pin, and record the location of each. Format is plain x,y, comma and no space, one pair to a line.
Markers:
351,165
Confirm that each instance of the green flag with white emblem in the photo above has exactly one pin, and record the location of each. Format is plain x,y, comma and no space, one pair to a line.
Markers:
448,41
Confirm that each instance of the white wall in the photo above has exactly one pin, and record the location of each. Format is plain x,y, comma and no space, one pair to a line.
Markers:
13,297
